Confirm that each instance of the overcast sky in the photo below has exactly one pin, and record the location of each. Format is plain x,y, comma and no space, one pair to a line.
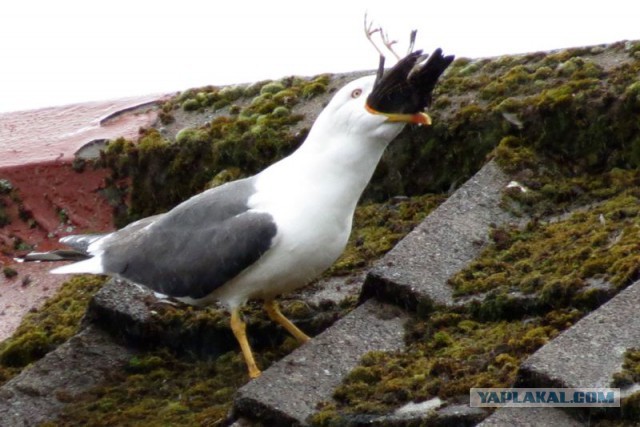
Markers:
61,52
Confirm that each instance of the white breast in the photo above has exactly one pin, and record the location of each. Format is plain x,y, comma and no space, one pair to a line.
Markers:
312,233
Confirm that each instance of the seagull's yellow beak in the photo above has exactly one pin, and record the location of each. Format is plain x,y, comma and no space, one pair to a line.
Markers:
420,118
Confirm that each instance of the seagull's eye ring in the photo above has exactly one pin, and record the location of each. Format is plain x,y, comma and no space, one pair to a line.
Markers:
356,93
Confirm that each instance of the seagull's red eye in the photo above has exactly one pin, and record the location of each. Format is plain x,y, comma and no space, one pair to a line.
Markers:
356,93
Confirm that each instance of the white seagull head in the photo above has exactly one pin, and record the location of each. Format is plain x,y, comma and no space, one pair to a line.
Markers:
371,111
348,114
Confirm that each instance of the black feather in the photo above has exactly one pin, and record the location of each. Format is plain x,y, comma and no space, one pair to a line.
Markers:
407,87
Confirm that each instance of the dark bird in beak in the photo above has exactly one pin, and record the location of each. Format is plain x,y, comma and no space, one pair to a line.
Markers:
403,92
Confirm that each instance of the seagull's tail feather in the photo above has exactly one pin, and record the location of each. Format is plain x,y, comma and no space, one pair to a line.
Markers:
90,266
87,263
57,255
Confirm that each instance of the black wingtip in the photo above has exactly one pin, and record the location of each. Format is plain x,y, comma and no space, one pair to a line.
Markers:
407,87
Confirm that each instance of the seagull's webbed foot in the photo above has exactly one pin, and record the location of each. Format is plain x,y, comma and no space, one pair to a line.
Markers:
239,330
272,309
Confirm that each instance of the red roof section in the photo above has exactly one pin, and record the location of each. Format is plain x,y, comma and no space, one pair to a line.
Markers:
56,133
37,149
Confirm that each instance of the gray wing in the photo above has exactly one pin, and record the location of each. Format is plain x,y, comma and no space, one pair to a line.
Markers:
195,248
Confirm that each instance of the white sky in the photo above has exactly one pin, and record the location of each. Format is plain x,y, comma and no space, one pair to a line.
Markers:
66,51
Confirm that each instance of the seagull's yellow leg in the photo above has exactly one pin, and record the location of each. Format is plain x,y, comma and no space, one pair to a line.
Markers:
273,311
239,329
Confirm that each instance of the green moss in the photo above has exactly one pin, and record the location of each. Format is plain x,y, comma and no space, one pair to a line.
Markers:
286,97
191,105
231,93
508,83
317,87
378,227
441,359
542,73
628,376
159,388
633,48
163,173
630,373
281,112
224,176
166,117
271,88
9,272
630,410
45,329
5,186
7,196
174,383
594,245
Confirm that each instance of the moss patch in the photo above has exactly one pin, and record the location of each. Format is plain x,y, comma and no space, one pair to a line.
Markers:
628,376
446,354
186,384
6,188
9,272
247,138
556,261
159,388
377,227
50,326
630,373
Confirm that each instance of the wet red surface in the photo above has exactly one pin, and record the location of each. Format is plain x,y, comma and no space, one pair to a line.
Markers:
36,151
59,201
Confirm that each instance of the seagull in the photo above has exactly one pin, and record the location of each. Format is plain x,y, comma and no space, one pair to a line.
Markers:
267,235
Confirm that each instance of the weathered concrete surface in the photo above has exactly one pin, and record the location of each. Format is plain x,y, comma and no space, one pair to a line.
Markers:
417,268
331,289
42,390
591,351
530,417
123,303
290,390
